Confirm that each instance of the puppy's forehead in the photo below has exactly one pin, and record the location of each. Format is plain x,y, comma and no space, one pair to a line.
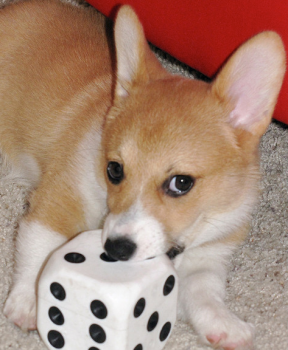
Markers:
174,105
168,118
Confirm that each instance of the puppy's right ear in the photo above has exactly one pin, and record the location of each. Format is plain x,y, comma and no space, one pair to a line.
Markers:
135,61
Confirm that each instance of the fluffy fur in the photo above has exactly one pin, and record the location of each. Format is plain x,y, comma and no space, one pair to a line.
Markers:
73,101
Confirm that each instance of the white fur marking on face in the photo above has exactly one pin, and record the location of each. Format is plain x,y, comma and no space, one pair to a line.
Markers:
92,194
141,228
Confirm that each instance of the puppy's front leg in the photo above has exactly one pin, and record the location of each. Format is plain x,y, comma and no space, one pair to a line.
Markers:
33,245
202,273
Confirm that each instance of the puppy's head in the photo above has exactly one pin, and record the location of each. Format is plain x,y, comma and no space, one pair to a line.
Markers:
180,156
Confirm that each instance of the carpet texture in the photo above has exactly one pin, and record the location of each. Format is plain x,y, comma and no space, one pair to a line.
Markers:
257,284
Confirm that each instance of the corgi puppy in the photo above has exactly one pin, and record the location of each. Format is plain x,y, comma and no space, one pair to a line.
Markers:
102,134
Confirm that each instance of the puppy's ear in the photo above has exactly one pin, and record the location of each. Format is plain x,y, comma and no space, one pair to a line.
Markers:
130,50
250,82
135,61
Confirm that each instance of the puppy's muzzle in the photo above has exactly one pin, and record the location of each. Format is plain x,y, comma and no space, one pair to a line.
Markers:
120,248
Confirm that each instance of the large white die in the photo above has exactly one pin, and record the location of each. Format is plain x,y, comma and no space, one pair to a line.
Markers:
88,303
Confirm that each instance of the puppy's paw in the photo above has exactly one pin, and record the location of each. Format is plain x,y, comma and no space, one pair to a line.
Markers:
20,308
223,330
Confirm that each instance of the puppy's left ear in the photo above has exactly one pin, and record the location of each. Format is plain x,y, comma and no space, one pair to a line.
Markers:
250,82
136,63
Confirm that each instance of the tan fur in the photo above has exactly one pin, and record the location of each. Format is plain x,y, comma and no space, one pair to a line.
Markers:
77,96
56,97
72,102
187,133
194,109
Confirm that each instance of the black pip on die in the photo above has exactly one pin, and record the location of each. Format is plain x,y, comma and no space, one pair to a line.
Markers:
88,302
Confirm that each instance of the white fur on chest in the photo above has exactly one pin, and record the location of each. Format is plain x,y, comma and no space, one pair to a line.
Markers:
92,194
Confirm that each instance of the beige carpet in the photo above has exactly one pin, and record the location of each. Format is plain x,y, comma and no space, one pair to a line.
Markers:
257,286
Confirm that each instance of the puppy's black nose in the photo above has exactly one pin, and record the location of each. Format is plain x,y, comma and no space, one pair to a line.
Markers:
120,248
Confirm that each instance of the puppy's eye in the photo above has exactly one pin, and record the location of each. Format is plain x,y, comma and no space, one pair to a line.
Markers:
178,185
115,172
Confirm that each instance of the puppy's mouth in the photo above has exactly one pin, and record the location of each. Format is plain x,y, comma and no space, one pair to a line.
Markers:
174,251
128,247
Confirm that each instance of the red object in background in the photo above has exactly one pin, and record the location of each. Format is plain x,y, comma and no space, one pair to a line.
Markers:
204,33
